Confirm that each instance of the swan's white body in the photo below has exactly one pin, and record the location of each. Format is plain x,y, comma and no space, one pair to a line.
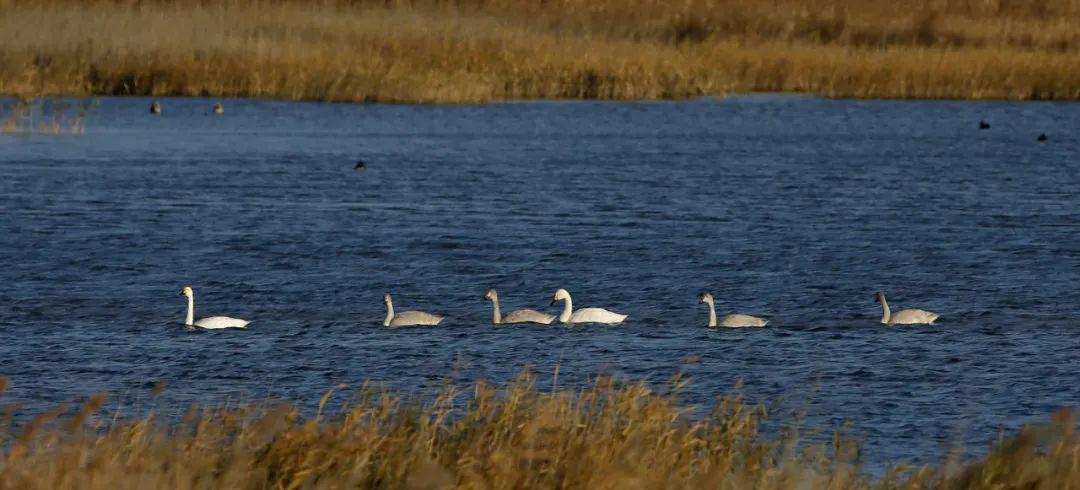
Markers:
210,322
519,316
584,315
731,321
904,317
213,322
408,318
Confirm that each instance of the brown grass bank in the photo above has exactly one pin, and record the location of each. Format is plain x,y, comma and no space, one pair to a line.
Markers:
610,435
484,50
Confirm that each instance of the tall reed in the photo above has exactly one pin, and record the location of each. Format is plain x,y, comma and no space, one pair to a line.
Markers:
483,50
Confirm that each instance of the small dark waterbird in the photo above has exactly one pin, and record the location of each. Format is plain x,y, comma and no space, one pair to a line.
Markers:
1042,137
155,107
218,109
984,125
360,165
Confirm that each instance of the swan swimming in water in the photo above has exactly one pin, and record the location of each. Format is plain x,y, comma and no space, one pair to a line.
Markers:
211,322
731,321
903,317
407,318
584,315
519,316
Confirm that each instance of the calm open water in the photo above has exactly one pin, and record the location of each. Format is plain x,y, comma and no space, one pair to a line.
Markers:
797,209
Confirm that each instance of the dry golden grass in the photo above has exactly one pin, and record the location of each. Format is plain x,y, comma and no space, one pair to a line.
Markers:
610,435
483,50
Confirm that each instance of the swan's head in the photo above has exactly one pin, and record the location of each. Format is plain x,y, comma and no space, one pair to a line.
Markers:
559,296
187,291
491,295
706,298
879,297
386,298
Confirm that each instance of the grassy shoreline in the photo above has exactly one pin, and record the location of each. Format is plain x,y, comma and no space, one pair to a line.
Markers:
467,51
606,435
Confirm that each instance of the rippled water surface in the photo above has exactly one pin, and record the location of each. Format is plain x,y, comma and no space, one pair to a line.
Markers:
796,209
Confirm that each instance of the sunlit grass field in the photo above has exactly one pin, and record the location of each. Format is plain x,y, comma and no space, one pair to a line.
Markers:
528,434
464,51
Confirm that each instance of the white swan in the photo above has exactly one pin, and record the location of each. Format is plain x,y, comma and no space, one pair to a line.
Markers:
731,321
519,316
584,315
407,318
211,321
903,317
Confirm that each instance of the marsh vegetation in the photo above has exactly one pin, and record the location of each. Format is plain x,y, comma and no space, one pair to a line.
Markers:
528,434
482,50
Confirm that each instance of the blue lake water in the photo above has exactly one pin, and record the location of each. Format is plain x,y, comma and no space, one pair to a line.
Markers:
796,209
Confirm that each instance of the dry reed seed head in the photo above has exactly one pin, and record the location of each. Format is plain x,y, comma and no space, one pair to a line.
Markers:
157,389
92,405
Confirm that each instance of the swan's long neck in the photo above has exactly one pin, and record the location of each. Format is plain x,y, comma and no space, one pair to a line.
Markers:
389,313
568,309
497,316
886,314
190,310
712,314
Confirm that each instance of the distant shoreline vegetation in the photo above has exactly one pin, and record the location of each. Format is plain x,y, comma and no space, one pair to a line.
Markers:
527,434
470,51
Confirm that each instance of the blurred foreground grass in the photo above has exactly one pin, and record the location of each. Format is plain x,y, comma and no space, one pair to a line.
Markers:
611,434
